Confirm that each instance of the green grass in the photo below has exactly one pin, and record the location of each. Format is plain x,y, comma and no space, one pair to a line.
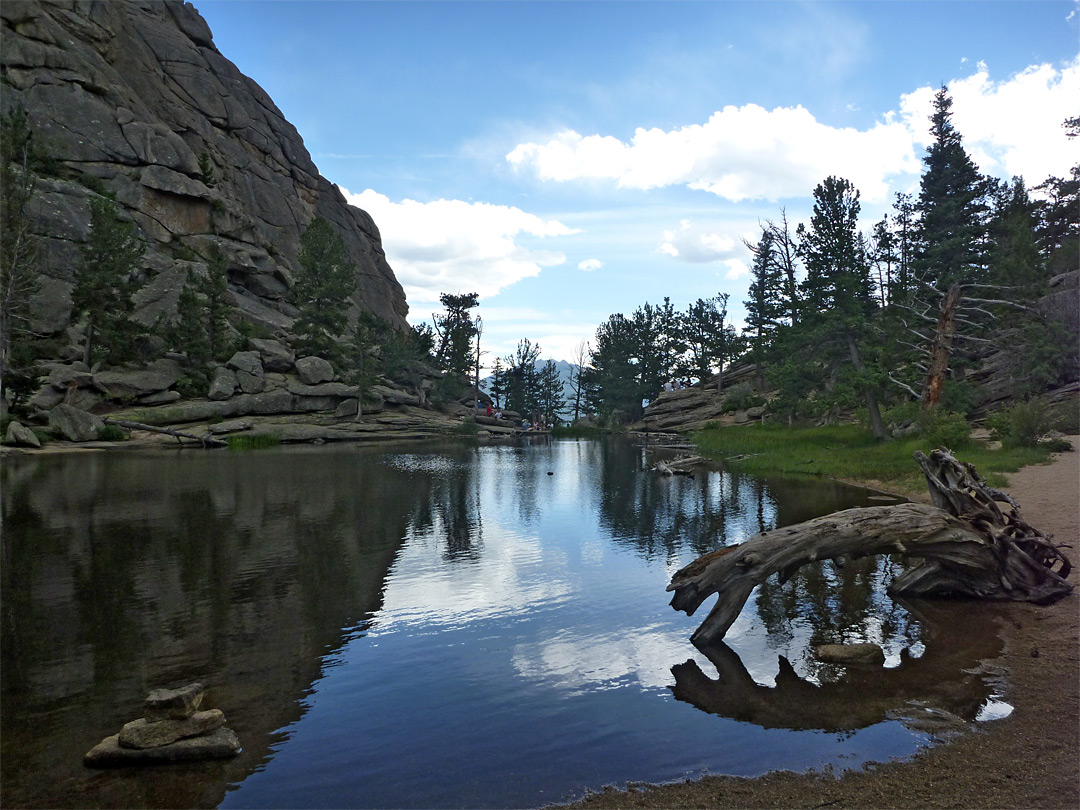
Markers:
257,442
848,451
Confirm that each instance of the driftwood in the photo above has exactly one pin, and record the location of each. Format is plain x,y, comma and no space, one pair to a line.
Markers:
206,441
678,466
968,547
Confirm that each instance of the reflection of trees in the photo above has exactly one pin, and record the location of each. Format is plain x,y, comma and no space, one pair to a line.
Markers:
450,507
945,676
664,515
836,602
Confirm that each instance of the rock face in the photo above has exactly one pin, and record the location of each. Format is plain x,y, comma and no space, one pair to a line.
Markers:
134,99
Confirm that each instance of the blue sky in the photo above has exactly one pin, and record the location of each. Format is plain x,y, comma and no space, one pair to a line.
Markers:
570,160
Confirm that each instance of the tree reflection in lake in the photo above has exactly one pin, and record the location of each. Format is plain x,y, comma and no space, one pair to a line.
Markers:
375,622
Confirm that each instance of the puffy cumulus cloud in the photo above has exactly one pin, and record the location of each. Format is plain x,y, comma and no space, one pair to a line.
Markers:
740,153
697,244
590,264
1010,127
458,246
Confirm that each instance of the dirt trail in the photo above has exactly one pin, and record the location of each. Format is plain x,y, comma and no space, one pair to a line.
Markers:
1029,760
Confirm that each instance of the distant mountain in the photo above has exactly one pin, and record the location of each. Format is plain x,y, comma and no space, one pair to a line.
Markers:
566,371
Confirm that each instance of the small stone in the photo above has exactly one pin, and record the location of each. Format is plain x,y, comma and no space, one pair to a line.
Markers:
176,704
144,734
850,654
219,744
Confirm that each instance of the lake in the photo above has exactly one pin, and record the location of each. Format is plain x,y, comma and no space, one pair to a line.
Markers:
458,625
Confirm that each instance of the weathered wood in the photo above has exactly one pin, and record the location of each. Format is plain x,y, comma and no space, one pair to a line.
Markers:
968,546
678,466
206,441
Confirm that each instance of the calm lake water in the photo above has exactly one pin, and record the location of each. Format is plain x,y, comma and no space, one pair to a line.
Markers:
438,626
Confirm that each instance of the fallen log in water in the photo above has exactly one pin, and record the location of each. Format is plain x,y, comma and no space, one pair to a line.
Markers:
968,547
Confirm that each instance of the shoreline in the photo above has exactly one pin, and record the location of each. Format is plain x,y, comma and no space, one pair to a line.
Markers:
1030,759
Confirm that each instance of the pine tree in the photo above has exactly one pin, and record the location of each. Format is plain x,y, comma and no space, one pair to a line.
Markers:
105,282
764,304
949,235
552,402
839,291
324,282
456,330
498,383
18,246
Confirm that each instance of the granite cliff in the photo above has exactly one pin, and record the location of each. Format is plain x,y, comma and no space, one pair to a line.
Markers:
133,99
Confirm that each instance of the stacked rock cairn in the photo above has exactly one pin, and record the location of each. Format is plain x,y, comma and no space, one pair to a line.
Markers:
172,730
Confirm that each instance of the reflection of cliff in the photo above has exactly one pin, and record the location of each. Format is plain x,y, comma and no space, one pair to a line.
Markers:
123,573
945,677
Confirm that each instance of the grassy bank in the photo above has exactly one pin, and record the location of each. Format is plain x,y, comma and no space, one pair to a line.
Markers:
849,451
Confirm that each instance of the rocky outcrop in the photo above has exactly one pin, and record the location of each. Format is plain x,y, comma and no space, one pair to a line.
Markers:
134,99
691,408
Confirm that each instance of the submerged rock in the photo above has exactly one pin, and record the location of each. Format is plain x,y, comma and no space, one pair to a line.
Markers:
219,744
871,654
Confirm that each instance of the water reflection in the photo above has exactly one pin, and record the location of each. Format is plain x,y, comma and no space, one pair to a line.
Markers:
948,672
454,626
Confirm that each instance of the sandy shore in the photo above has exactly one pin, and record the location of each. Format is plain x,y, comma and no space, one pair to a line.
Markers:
1030,759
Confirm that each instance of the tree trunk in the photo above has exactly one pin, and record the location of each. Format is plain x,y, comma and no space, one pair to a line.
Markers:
968,546
877,425
205,441
941,350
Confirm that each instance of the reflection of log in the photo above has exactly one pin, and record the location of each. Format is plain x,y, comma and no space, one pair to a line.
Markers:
969,547
946,676
206,441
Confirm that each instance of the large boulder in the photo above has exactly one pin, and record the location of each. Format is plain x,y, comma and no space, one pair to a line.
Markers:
249,362
128,383
314,370
18,435
276,356
223,385
75,425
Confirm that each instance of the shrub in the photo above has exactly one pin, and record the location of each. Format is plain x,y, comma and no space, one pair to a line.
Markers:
1020,425
944,429
112,433
739,397
193,384
1057,445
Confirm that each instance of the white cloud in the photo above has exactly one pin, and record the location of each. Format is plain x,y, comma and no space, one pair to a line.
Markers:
1010,127
697,244
590,264
739,153
736,269
458,246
